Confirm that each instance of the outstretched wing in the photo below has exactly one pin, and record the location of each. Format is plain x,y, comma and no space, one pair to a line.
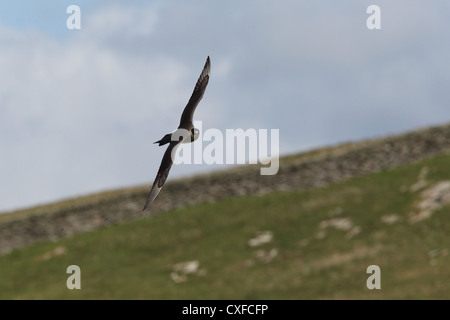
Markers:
199,90
163,172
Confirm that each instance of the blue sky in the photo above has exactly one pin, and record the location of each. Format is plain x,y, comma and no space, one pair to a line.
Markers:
79,110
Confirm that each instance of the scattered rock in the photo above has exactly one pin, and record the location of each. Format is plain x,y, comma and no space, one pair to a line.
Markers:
390,218
421,181
344,224
353,232
266,256
58,251
261,238
431,199
183,269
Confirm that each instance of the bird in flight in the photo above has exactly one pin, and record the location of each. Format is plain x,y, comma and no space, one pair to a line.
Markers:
185,133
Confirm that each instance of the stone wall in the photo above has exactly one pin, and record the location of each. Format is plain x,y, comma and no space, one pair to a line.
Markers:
311,170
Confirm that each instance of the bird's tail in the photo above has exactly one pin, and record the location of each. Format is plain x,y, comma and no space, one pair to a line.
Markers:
166,139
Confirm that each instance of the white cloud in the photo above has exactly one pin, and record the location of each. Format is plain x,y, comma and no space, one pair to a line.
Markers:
122,20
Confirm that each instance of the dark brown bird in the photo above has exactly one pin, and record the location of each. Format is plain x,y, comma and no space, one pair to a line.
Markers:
185,133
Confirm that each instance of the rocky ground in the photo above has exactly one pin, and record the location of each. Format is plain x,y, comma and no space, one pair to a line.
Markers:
313,169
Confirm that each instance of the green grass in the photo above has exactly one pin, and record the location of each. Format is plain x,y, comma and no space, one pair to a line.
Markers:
135,260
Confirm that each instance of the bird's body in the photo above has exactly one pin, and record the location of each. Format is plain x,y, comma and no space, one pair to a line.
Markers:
185,133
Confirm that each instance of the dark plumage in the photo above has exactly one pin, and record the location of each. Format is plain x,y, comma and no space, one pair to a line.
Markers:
185,133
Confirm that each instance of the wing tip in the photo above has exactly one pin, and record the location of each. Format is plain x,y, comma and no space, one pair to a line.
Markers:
152,195
147,204
207,67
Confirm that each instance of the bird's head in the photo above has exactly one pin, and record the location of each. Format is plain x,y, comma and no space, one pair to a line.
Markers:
194,134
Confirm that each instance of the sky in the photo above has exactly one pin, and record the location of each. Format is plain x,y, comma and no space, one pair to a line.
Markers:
81,108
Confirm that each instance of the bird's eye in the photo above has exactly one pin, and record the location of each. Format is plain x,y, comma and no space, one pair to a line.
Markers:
195,134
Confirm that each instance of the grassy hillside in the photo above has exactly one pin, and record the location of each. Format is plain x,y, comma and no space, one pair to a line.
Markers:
308,170
309,244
